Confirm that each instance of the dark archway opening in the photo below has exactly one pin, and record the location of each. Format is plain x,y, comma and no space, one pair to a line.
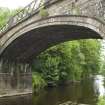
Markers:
32,43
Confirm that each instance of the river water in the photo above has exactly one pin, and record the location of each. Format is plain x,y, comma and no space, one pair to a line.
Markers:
86,92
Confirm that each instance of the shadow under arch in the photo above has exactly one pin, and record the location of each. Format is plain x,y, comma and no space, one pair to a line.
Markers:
32,39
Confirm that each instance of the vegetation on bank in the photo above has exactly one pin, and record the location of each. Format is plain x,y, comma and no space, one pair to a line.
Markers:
101,101
38,82
72,61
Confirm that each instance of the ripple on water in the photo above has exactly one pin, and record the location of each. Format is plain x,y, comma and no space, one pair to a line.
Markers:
71,103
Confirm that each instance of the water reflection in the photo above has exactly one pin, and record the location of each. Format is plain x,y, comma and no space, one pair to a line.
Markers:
86,92
14,77
99,85
21,100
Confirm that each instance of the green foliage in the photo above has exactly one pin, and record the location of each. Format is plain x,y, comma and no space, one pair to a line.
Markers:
101,101
5,13
48,67
91,51
69,61
74,9
37,81
102,71
43,12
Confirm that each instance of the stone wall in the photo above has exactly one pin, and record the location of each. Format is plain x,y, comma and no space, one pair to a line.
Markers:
15,78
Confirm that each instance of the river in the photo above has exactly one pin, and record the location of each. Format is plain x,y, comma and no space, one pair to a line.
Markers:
86,92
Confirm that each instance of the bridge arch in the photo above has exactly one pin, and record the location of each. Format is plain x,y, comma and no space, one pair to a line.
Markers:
26,40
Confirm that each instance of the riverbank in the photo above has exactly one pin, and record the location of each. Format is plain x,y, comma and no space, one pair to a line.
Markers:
86,92
15,93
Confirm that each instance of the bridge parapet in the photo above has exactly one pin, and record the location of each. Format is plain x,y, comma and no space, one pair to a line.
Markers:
90,8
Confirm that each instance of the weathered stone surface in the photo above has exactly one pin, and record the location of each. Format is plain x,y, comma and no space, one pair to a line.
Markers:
67,20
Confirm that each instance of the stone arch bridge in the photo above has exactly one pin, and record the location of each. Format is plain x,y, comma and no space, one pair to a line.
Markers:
41,25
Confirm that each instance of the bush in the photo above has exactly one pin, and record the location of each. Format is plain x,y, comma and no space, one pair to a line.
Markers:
37,82
101,101
43,13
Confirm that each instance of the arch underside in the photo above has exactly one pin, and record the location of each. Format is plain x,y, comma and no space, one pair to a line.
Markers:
28,45
34,42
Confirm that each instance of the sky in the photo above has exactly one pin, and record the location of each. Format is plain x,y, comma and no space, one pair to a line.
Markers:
13,4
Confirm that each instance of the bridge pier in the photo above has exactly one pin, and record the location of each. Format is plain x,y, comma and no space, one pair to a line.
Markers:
15,77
